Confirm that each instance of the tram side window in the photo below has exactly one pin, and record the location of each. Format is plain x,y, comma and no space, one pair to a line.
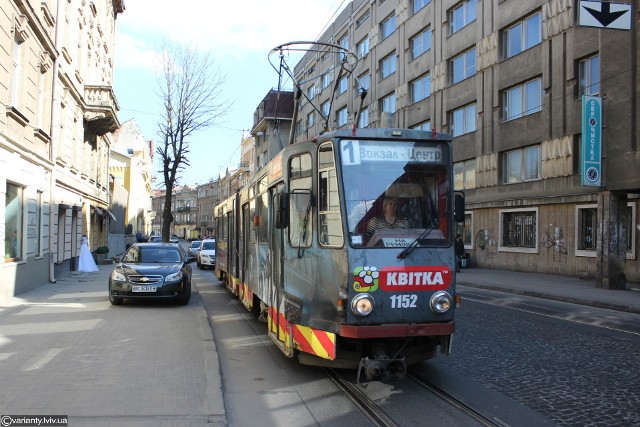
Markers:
329,215
263,209
300,226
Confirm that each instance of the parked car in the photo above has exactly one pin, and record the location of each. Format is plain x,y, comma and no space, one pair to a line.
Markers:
194,248
207,254
155,238
151,270
173,239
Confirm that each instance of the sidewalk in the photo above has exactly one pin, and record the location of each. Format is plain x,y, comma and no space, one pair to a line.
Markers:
551,286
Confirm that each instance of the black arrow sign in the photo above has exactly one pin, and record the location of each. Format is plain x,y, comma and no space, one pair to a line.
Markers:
604,15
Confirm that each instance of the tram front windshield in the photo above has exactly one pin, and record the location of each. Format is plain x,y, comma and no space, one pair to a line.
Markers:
396,193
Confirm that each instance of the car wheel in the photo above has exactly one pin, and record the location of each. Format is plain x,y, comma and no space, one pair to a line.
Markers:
199,265
113,299
186,296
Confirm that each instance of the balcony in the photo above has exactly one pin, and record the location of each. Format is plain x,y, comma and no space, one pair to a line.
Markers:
101,109
184,209
276,105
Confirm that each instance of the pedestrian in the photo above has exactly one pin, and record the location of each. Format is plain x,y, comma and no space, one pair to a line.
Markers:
459,248
86,264
138,237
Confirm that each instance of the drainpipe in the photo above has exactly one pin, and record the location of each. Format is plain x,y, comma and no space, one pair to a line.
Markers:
55,118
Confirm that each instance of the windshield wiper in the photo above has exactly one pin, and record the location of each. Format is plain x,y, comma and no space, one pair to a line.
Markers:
406,251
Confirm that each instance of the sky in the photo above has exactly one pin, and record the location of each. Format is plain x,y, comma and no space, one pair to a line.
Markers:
239,36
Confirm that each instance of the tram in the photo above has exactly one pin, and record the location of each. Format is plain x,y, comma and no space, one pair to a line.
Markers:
342,278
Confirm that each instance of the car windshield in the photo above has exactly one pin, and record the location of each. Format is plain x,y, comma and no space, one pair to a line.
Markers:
209,245
152,255
195,244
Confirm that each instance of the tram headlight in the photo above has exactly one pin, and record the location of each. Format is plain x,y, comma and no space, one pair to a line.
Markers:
362,305
440,302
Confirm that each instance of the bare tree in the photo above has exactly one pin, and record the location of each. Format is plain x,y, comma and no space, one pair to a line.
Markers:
190,88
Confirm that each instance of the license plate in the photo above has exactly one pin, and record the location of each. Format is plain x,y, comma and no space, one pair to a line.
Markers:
143,288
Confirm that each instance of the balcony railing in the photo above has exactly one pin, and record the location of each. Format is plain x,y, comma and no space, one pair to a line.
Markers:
101,109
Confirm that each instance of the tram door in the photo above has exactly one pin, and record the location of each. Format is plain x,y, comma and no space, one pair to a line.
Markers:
278,325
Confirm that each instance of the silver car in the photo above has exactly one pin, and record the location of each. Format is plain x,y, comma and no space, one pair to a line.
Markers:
194,248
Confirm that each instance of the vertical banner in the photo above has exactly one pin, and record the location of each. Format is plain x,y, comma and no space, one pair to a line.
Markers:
591,141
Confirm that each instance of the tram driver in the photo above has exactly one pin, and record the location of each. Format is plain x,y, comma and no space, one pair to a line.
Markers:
389,218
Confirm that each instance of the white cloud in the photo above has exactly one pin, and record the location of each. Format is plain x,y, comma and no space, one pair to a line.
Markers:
226,29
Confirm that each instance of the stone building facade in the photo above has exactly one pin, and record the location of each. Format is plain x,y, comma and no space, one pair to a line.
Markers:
507,80
58,113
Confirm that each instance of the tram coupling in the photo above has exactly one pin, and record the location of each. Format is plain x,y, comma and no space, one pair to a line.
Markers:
382,368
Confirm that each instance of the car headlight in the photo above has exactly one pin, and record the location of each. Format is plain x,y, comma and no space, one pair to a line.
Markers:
118,277
440,302
362,305
174,277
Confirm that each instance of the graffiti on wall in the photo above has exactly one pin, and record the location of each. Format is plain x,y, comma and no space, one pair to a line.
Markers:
553,240
486,242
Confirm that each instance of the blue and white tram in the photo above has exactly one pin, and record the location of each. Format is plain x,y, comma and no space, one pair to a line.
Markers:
342,279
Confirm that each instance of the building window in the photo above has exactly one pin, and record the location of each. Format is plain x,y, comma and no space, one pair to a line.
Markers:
325,108
463,120
311,92
518,230
14,209
421,88
343,84
364,81
326,79
423,126
523,35
388,65
388,103
388,26
344,43
521,165
342,116
463,66
361,20
522,100
419,4
586,226
589,77
464,175
16,75
311,119
420,43
363,48
465,229
363,121
462,15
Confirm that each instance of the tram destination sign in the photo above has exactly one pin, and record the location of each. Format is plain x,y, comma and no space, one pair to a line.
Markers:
356,152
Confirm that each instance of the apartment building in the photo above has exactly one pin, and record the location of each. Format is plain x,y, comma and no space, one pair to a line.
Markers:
506,78
55,132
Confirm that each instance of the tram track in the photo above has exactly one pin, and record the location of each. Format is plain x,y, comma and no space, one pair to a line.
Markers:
378,417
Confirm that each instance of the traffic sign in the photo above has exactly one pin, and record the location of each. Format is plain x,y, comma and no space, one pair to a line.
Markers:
604,15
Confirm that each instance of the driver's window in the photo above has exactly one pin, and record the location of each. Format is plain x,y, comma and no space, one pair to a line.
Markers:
329,215
132,255
300,225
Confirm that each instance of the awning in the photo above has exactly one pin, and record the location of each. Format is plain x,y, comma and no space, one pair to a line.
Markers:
98,211
113,217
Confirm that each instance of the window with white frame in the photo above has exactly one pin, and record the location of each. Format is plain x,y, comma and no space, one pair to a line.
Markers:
311,119
523,99
463,66
13,214
421,88
388,26
465,229
523,35
362,18
325,108
16,74
363,120
518,230
631,227
326,79
464,175
420,43
426,125
344,41
586,230
363,47
342,116
589,76
419,4
311,92
388,103
463,120
462,15
364,81
521,165
343,84
388,65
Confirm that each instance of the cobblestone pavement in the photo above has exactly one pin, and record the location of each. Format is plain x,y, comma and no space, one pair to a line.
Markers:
576,375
